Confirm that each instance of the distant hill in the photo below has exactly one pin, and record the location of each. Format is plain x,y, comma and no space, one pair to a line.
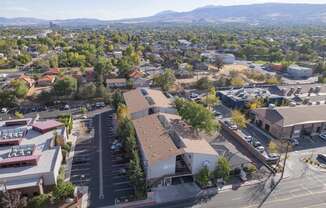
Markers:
261,14
271,13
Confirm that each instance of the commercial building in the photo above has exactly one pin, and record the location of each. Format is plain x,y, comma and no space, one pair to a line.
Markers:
240,98
301,94
31,162
146,101
292,122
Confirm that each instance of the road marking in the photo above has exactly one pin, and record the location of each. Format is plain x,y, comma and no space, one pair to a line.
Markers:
101,194
123,189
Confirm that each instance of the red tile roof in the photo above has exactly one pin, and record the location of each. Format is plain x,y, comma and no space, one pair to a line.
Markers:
135,74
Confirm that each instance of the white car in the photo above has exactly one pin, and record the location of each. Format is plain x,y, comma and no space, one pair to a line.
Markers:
323,136
261,149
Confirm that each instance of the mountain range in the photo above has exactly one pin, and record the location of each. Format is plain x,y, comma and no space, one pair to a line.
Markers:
260,14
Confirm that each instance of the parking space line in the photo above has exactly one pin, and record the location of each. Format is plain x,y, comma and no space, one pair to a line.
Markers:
123,189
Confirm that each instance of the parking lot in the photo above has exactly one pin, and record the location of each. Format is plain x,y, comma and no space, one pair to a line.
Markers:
108,182
227,146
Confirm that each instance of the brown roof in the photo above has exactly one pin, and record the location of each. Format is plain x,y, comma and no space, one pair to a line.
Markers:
155,141
135,101
135,74
290,116
142,98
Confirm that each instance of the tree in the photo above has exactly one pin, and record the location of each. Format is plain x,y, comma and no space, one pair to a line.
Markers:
63,190
8,98
165,80
19,115
204,84
126,129
65,86
211,98
122,112
223,168
12,199
20,88
219,63
117,99
88,91
239,119
196,115
254,104
203,177
237,81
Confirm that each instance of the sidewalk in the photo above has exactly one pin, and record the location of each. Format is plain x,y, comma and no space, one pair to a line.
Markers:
73,139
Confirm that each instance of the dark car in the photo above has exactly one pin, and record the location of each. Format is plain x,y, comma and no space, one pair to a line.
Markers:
322,157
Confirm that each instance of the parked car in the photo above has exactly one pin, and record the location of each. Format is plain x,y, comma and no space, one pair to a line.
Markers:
243,175
231,125
248,139
322,157
294,142
323,136
261,149
217,114
256,144
4,110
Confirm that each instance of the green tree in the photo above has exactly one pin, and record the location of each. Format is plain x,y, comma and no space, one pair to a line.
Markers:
211,98
196,115
20,88
223,168
65,86
239,119
117,99
165,80
126,129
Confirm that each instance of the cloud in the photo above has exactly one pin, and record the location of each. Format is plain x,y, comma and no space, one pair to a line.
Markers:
15,9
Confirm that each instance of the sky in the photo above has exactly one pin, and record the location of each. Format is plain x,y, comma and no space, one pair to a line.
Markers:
112,9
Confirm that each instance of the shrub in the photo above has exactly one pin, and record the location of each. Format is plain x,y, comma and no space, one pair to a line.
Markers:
250,168
63,191
202,177
40,201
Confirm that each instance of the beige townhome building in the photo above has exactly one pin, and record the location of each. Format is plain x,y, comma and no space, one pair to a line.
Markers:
146,101
169,148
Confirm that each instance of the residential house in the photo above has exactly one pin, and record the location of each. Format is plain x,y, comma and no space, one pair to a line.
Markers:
46,80
292,122
116,83
53,71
